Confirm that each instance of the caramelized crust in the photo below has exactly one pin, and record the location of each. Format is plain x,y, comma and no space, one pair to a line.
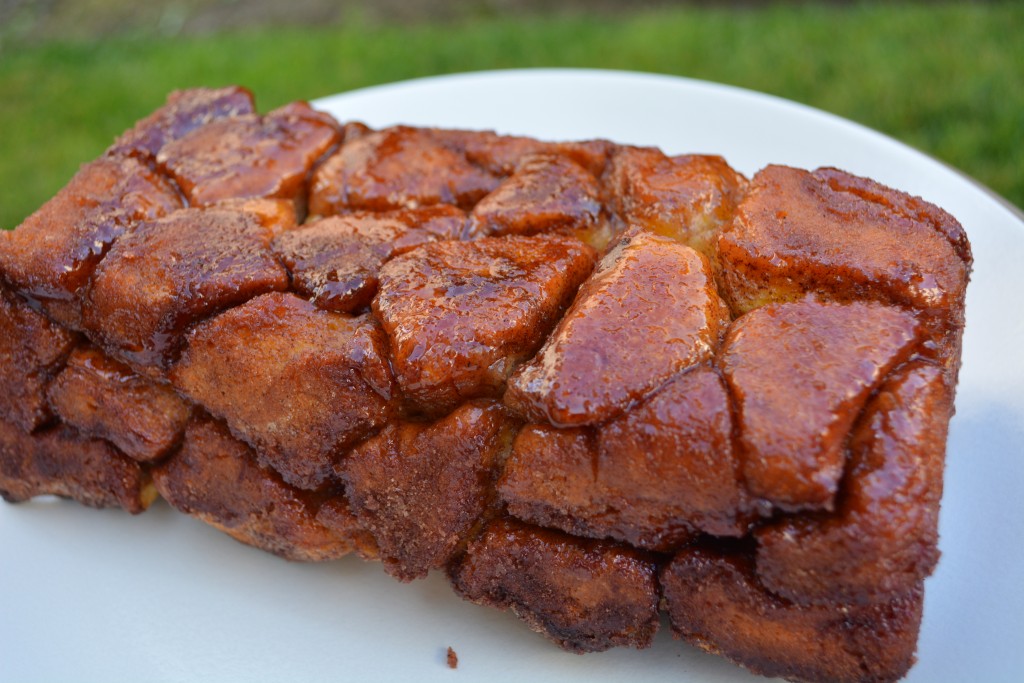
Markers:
545,194
799,374
460,316
185,111
420,488
298,384
715,602
251,155
587,596
105,399
357,376
336,261
688,198
651,478
501,154
172,272
396,168
846,238
881,541
53,253
61,462
215,478
648,292
31,350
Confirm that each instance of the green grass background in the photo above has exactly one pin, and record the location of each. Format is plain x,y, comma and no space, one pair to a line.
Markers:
945,78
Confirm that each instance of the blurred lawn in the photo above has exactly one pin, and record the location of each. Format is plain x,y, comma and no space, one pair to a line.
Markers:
947,79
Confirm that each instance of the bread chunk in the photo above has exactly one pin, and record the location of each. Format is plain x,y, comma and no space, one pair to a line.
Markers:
396,168
298,384
585,595
654,477
420,488
175,271
105,399
185,111
716,603
216,478
688,198
845,238
648,292
31,351
546,194
500,155
251,155
53,253
336,261
61,462
799,373
881,540
460,316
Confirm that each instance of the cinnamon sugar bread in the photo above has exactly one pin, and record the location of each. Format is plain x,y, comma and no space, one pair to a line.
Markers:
591,382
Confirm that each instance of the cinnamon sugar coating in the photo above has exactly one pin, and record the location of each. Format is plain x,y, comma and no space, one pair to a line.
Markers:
31,350
174,271
585,595
298,384
716,602
52,254
61,462
589,381
216,478
420,488
336,261
461,316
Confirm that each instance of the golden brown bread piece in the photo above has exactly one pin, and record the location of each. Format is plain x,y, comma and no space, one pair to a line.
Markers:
647,291
216,478
585,595
545,194
185,111
589,381
250,155
59,461
299,384
336,261
793,457
461,316
500,155
52,255
715,601
846,238
396,168
168,273
882,537
105,399
32,348
653,477
688,198
420,488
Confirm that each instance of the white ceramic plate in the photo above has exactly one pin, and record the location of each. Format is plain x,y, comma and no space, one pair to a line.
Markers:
90,595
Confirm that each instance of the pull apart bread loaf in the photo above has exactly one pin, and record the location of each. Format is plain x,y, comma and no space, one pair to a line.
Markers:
589,381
